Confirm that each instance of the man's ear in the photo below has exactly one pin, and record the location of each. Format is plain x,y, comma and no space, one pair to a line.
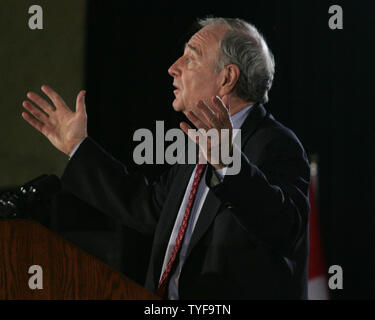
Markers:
231,74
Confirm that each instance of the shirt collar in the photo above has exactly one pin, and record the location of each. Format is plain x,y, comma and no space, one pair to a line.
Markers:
239,117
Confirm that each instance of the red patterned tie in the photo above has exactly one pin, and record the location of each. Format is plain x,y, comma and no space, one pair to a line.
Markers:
181,232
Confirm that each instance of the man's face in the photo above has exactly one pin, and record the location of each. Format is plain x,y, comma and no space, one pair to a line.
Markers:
194,73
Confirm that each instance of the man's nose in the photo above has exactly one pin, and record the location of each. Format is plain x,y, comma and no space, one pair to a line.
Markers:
174,69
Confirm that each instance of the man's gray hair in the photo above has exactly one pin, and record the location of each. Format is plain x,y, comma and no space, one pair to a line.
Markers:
244,46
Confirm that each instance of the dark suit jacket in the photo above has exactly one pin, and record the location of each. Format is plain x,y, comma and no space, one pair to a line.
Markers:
251,238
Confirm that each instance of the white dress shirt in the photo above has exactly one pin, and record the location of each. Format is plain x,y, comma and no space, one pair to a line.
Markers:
200,197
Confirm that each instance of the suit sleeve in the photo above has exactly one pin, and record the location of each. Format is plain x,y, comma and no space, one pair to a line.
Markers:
271,201
103,182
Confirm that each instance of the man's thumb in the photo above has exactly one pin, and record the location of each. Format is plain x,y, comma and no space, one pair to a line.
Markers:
226,102
80,103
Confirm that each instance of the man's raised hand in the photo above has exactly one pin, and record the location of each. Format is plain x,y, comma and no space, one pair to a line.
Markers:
217,117
63,127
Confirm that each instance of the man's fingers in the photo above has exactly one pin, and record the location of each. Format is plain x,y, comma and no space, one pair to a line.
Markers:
32,121
80,102
191,133
185,127
55,97
39,101
221,105
38,114
196,121
209,115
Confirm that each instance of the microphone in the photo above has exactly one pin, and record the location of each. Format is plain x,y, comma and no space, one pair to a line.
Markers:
16,204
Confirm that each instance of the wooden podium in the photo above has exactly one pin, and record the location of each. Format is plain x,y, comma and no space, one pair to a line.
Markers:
67,271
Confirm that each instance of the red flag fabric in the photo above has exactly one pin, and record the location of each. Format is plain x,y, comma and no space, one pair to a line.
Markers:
318,282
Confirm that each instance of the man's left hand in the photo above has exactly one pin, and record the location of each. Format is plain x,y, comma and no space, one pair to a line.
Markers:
216,116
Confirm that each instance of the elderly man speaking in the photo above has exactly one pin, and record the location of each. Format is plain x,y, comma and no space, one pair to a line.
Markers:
215,236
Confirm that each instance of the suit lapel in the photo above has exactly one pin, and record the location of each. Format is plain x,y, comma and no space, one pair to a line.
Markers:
212,203
167,220
206,216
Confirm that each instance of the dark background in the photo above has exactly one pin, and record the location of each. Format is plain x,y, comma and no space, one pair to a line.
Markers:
322,91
